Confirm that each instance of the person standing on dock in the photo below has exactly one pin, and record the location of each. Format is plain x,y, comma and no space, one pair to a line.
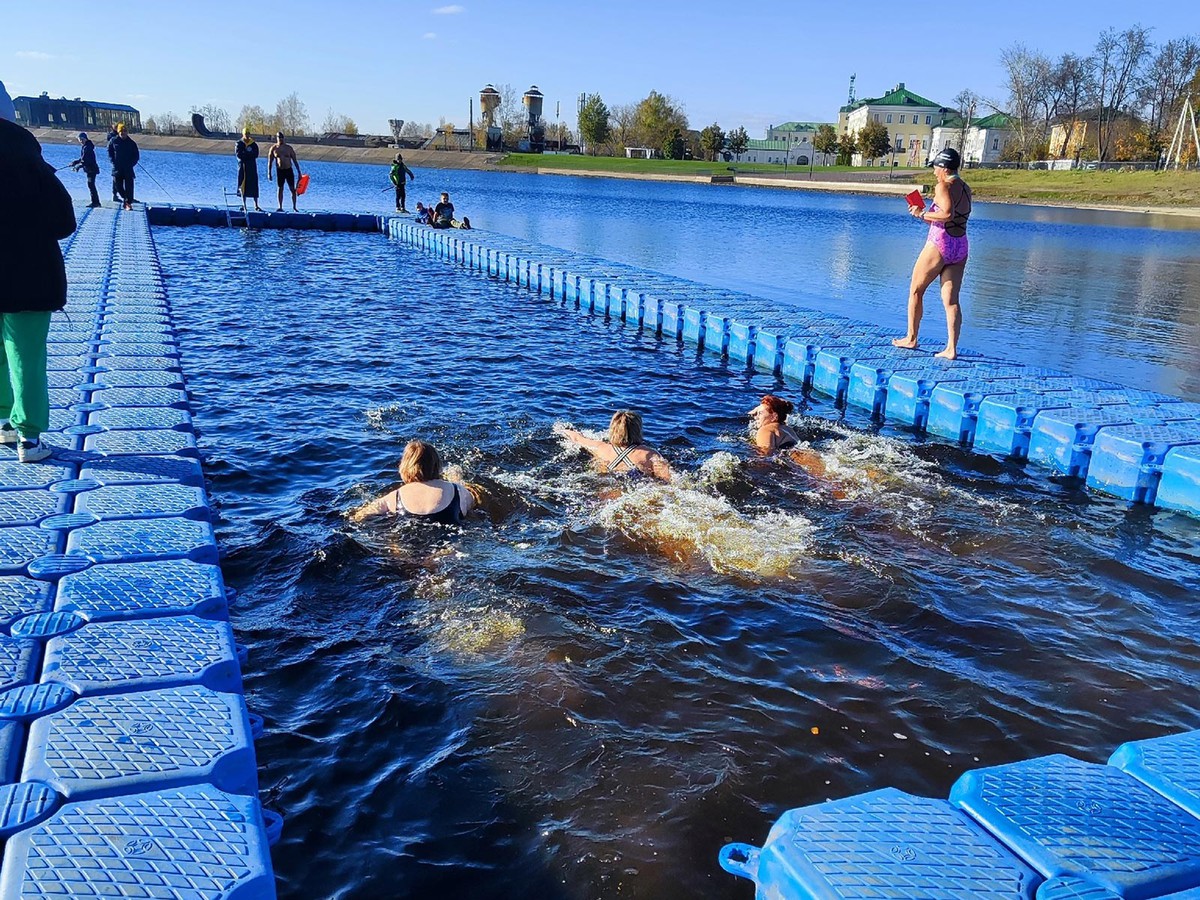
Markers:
35,214
944,253
247,155
125,156
112,160
91,168
399,170
282,158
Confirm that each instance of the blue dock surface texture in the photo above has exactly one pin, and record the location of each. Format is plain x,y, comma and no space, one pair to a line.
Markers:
223,217
127,765
1043,829
1137,445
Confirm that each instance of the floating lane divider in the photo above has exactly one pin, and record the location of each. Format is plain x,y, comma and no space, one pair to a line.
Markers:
218,217
1140,446
1052,828
127,763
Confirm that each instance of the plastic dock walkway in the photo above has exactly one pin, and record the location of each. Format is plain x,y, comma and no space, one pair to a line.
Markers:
1137,445
126,750
1053,828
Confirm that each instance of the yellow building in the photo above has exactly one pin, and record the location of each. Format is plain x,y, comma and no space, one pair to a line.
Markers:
908,117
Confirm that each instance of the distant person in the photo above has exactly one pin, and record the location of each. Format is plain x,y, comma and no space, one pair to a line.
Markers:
87,163
287,168
769,420
112,161
623,453
944,253
247,156
424,214
424,494
443,215
125,157
399,170
35,214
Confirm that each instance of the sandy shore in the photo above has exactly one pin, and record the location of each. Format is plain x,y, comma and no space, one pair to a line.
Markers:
479,160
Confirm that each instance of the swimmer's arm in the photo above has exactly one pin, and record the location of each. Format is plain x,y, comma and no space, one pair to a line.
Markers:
586,442
941,196
469,497
378,507
660,469
270,161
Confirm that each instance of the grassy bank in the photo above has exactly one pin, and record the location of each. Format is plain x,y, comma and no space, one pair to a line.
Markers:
1144,189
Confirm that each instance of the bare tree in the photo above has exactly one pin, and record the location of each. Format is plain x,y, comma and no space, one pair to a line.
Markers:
623,117
510,115
215,117
966,102
291,115
336,123
255,118
165,123
1168,79
416,130
1027,72
1119,60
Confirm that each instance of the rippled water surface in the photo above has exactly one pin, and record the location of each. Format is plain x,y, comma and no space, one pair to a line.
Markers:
1114,295
585,693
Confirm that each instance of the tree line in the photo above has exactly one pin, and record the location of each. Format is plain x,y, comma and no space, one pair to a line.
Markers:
289,116
1131,88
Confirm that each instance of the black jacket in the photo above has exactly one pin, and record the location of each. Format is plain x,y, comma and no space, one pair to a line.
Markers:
125,155
35,214
87,158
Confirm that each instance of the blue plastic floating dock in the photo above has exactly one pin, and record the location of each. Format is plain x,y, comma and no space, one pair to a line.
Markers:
221,217
1133,444
127,764
1053,828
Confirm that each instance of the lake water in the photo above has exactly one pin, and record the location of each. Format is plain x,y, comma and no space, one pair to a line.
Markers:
585,694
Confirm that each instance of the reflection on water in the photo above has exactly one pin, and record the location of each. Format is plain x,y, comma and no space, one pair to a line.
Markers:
1098,293
587,691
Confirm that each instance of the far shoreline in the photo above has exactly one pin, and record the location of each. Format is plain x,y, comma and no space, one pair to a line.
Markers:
492,162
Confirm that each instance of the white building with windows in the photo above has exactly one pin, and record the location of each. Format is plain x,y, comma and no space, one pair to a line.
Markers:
910,120
982,141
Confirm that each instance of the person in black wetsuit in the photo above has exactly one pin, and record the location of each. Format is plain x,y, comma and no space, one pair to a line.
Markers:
425,494
87,162
112,136
125,156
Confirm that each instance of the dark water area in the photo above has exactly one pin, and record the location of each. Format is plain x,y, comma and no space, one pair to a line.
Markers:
587,692
1105,294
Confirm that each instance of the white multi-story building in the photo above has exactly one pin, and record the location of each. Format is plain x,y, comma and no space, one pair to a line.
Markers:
981,141
910,120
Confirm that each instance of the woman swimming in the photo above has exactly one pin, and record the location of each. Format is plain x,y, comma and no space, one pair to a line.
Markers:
769,420
623,452
424,495
944,253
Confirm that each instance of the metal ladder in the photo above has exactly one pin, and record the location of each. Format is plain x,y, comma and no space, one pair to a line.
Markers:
235,216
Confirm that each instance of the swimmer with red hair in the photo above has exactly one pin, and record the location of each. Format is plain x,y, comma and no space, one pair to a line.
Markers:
772,435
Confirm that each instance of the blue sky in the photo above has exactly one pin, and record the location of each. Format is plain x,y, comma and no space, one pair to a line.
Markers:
748,64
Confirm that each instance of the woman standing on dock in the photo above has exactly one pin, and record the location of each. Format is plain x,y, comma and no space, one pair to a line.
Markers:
944,253
247,155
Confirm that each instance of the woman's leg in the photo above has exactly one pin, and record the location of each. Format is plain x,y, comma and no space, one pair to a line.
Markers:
925,270
25,350
952,279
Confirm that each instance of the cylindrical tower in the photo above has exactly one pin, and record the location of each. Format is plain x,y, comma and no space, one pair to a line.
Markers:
533,113
489,102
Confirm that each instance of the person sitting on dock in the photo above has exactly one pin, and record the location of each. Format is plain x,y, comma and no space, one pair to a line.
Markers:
282,159
425,494
125,156
424,214
623,453
443,215
769,420
91,168
399,170
247,156
944,253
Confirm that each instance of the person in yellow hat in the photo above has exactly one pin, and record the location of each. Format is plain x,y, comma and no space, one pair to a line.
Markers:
247,155
125,156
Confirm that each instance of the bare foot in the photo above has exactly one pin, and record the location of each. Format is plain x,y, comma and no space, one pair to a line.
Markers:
905,343
947,354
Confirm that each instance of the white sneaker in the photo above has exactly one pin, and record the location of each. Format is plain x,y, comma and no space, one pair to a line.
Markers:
8,434
33,451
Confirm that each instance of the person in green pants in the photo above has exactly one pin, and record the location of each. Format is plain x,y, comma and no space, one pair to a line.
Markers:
35,214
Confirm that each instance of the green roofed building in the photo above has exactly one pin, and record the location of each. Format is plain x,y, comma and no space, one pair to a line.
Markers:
980,141
799,136
910,120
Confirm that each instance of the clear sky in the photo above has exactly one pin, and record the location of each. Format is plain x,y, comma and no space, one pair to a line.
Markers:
737,63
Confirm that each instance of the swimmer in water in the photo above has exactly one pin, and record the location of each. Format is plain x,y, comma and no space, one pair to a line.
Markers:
769,421
623,453
425,494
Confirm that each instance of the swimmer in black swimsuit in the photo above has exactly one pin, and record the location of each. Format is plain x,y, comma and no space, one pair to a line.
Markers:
623,453
425,494
769,419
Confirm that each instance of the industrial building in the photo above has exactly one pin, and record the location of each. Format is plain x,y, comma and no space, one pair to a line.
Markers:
77,114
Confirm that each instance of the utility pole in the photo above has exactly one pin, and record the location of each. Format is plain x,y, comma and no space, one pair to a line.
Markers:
471,125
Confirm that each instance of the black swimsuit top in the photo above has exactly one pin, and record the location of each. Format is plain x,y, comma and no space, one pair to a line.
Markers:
960,208
450,514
